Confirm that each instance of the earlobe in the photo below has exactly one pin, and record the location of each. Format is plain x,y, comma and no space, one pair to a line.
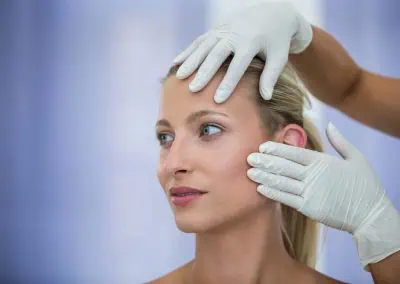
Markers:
294,135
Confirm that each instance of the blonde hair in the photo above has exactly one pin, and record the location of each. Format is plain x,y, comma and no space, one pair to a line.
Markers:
299,232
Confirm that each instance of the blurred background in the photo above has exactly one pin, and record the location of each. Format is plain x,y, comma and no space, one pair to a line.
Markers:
79,91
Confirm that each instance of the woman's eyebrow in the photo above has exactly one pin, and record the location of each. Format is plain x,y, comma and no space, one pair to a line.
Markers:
163,122
193,117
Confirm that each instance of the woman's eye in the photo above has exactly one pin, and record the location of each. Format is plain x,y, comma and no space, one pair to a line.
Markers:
209,129
164,138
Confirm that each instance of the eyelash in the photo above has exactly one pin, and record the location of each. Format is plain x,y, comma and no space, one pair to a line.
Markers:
205,125
159,135
201,129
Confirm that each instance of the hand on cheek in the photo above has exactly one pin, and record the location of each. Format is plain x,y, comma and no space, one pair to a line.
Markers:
265,167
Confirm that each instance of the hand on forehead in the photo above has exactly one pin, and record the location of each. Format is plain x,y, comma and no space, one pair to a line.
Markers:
177,98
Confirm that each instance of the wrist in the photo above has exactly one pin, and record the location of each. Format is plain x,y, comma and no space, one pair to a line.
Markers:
302,37
379,237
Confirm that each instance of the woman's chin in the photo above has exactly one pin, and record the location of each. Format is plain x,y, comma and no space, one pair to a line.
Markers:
191,227
187,229
189,224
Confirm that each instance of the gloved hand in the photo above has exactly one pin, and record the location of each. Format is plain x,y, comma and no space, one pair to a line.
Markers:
270,29
341,193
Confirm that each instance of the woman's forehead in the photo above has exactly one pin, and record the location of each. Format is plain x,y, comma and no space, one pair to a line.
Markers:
176,97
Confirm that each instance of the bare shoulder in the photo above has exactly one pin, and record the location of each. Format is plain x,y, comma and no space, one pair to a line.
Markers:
307,275
176,276
327,280
318,277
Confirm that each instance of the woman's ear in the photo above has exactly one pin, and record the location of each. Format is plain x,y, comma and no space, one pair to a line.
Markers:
292,134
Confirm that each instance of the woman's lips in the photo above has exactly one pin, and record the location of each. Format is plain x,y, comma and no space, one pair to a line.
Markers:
182,196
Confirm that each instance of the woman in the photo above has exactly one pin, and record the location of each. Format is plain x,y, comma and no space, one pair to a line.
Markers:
241,237
358,204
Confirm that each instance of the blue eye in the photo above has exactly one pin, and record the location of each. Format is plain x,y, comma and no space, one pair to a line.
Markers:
209,129
163,138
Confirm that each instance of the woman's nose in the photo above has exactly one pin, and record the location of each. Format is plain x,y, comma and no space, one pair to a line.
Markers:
178,160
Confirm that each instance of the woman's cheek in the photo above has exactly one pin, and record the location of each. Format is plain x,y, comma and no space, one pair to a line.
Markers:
227,155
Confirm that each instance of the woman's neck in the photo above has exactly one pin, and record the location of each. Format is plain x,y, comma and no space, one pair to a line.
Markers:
249,251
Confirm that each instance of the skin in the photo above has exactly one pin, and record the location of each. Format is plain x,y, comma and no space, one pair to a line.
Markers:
238,237
333,77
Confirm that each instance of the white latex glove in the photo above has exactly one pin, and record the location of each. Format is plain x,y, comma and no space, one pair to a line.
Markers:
341,193
270,29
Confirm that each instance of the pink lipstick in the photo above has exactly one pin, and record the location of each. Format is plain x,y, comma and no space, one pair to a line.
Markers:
181,196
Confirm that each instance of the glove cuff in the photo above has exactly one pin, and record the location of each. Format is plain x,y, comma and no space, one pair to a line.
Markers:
303,37
379,238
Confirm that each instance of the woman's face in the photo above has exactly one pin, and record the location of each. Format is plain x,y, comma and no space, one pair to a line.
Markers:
204,145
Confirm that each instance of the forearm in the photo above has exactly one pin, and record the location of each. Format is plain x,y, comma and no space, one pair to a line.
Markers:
326,68
386,271
375,102
333,77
